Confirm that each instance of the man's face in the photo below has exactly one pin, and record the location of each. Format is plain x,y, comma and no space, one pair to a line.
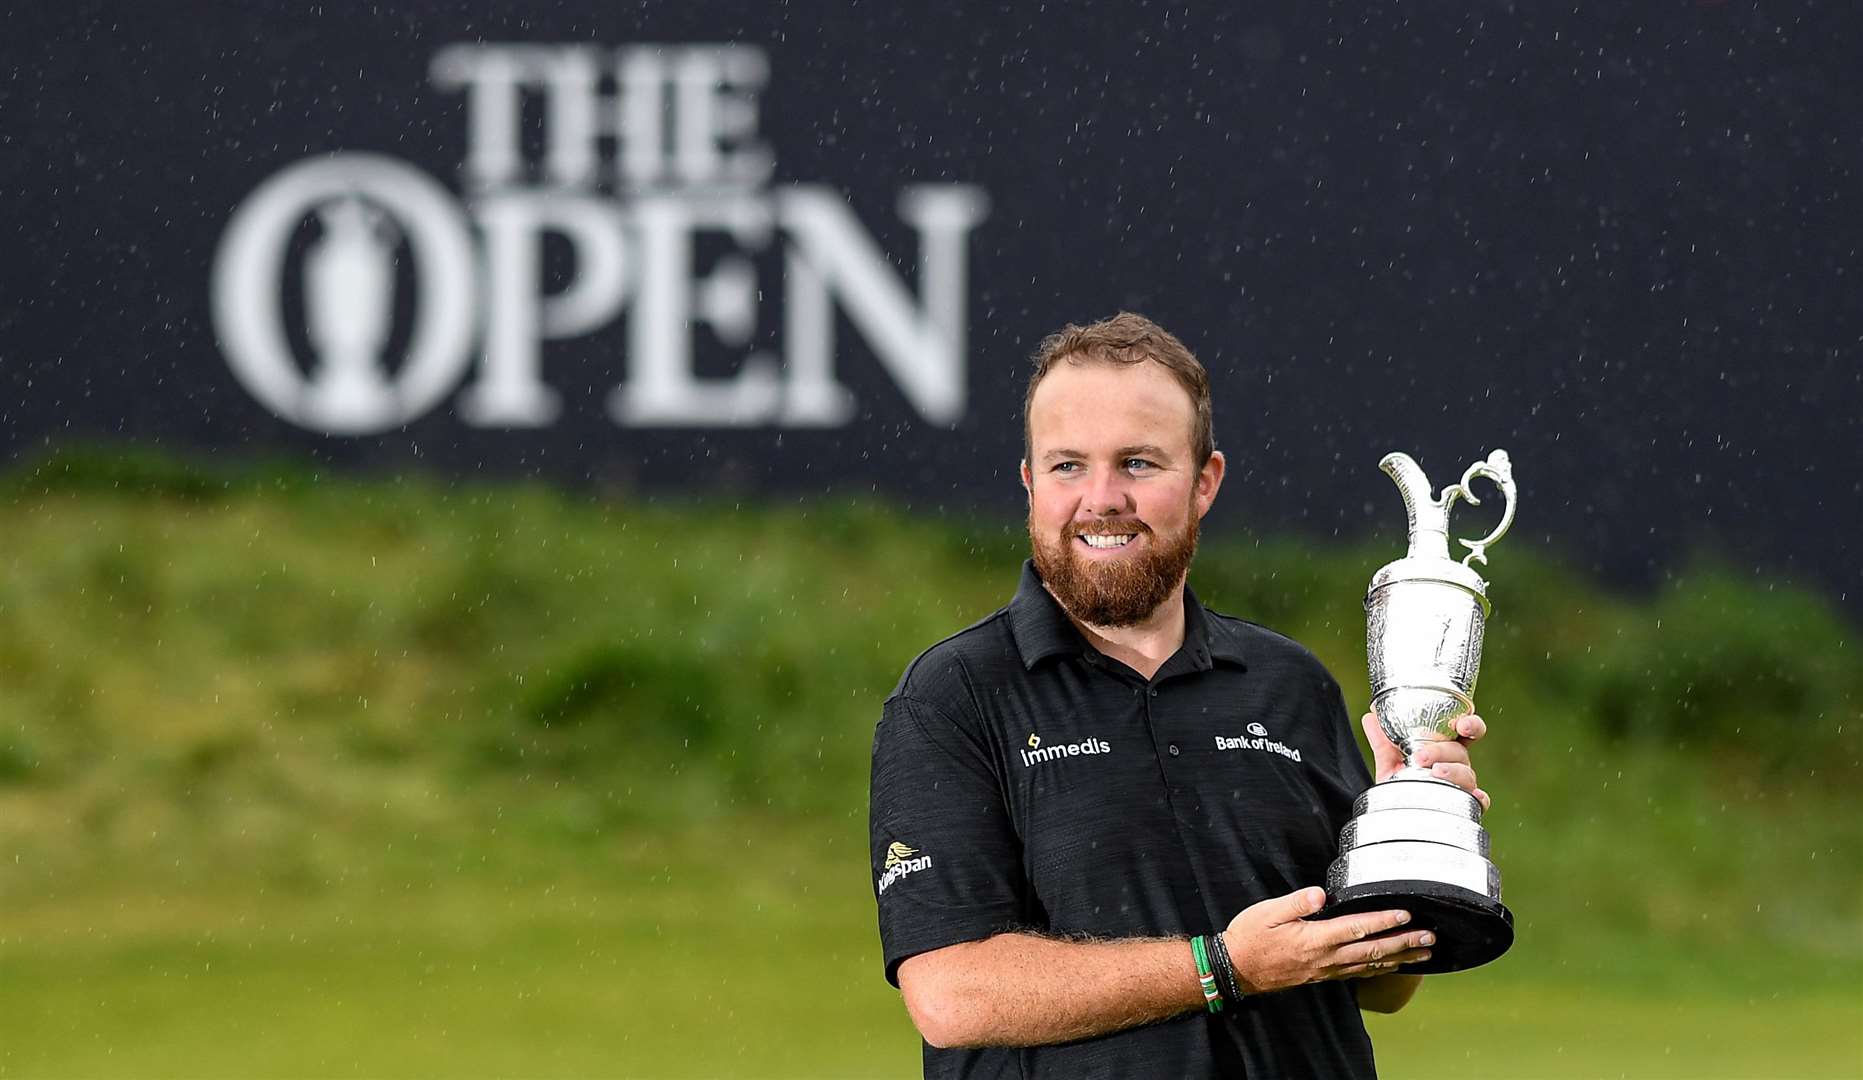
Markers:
1114,495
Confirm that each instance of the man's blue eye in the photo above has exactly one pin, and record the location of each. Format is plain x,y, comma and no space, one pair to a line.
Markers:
1065,466
1137,463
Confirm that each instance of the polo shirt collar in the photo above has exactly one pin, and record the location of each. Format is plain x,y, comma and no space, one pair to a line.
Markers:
1041,629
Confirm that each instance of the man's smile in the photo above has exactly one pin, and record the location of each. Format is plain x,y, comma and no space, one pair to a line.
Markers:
1106,541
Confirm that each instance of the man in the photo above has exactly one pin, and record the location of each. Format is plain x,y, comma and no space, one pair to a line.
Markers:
1061,800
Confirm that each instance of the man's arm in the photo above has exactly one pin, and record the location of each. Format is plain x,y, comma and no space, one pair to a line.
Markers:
1024,990
1386,993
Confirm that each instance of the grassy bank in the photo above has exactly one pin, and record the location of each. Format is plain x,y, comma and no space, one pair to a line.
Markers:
308,776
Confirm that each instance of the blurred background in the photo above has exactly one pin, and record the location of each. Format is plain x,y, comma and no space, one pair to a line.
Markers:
474,470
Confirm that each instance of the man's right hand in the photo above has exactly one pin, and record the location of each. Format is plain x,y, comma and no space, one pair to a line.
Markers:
1273,947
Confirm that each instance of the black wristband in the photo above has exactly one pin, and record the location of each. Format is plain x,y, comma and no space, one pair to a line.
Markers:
1224,969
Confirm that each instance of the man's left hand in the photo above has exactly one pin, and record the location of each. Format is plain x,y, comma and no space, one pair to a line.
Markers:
1448,760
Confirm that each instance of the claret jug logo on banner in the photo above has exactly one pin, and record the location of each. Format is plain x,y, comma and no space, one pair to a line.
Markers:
645,152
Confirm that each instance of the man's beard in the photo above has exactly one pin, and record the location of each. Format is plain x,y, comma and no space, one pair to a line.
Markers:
1116,592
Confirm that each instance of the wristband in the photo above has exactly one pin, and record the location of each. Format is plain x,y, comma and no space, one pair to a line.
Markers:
1211,998
1224,969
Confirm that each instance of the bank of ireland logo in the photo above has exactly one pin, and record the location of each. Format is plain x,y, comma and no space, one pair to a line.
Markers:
1257,739
365,208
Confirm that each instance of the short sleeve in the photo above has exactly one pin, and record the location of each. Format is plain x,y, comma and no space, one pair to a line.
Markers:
946,861
1353,773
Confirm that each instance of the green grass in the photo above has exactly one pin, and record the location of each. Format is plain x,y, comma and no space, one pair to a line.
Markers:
746,959
304,776
731,950
735,949
1484,1029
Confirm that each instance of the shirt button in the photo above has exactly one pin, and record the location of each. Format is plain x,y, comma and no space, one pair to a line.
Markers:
1174,750
1154,693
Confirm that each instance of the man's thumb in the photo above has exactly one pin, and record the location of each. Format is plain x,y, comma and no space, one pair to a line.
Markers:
1297,905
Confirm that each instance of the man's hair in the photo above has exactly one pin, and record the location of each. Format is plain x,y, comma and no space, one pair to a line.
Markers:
1126,338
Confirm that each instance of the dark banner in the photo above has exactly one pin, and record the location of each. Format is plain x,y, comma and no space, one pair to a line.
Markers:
755,249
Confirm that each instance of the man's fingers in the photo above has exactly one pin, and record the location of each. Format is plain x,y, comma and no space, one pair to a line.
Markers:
1449,759
1374,734
1350,928
1383,966
1385,948
1442,753
1468,729
1460,775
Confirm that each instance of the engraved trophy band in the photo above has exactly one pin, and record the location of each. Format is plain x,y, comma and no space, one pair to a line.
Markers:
1416,842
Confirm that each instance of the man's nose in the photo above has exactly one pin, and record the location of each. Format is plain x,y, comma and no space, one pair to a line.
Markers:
1109,494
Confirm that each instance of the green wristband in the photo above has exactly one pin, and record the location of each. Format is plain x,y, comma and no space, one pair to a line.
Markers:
1212,999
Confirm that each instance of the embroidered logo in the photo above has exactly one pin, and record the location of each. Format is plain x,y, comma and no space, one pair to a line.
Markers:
900,861
897,853
1036,754
1257,739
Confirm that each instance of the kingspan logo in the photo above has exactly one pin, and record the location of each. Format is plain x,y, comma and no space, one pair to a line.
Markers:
1037,753
352,292
900,861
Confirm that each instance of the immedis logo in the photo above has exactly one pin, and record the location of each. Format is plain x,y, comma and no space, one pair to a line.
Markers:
649,157
1037,753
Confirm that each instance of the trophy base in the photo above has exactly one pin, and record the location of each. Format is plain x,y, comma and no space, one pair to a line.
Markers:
1471,929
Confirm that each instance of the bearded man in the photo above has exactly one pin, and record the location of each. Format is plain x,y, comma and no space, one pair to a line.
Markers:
1069,830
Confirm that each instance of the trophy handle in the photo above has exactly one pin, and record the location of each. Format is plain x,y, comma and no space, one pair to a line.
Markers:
1499,469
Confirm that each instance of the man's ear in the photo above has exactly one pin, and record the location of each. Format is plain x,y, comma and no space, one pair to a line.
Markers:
1028,479
1209,480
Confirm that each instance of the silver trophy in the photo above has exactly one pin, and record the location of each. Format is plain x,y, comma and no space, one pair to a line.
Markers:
1416,842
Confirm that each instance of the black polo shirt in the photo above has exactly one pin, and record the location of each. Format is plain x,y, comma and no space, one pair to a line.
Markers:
1023,780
